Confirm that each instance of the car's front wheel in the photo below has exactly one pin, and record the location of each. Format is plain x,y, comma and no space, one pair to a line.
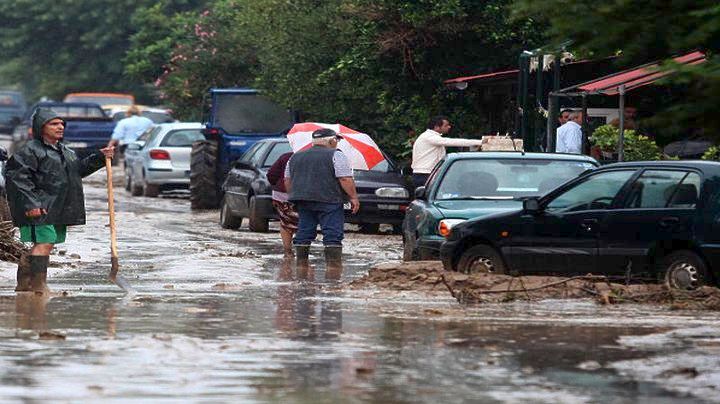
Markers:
255,222
227,219
684,270
481,259
410,252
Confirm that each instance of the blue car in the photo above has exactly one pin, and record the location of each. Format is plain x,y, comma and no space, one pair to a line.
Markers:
470,185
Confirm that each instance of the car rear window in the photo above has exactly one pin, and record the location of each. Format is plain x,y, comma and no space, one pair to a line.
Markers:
182,138
506,178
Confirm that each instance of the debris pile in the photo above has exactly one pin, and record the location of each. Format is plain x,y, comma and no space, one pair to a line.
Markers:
493,288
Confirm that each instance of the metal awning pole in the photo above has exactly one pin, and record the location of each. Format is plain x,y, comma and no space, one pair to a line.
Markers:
621,139
585,142
550,127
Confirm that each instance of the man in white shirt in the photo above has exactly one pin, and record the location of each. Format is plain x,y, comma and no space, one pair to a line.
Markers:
429,148
569,136
129,129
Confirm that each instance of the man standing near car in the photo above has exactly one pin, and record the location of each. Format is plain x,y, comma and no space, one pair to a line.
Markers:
429,148
45,193
129,129
318,181
569,136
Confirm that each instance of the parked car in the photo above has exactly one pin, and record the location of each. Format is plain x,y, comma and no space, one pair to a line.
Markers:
87,127
654,218
103,99
4,208
12,109
470,185
3,159
160,159
247,192
157,115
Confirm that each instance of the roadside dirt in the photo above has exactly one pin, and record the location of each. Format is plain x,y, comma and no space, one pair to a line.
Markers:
492,288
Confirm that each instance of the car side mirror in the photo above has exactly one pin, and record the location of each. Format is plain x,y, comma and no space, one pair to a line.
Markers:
3,154
531,205
420,193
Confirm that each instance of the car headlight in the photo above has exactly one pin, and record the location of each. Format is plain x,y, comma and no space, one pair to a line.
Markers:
445,226
392,192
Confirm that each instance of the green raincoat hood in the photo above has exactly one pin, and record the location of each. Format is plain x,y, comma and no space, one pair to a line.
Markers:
40,118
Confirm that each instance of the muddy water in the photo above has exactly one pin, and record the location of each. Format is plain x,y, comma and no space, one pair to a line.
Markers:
218,315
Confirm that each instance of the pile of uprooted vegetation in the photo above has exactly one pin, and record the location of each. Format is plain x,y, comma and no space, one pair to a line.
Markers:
11,249
494,288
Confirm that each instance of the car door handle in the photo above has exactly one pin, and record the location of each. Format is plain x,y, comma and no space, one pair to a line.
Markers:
669,221
587,224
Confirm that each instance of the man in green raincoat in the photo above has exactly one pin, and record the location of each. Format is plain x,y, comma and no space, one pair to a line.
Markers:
45,193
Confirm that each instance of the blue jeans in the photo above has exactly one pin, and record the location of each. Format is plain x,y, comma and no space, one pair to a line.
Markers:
330,217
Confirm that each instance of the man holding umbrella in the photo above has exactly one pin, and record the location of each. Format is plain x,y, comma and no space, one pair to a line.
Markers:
319,180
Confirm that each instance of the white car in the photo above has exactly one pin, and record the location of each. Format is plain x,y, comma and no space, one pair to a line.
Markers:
160,159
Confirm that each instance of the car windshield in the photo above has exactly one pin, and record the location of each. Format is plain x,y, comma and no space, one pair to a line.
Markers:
100,99
158,117
182,138
250,113
6,116
506,178
10,99
79,111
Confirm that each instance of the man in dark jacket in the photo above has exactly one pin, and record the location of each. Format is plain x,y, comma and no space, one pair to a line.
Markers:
284,208
45,193
319,180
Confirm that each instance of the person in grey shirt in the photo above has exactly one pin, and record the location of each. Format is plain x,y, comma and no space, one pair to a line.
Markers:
318,181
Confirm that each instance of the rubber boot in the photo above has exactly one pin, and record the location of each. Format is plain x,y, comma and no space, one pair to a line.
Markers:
333,254
23,274
301,253
38,268
333,262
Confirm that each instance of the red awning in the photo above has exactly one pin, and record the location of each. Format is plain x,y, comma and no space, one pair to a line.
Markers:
507,74
634,78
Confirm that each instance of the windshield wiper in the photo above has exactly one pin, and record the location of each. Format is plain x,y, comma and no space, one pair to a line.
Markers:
479,198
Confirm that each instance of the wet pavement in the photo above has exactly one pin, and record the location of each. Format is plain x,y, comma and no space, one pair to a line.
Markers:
219,315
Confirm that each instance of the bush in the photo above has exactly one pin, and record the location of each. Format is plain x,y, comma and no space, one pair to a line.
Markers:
637,147
712,153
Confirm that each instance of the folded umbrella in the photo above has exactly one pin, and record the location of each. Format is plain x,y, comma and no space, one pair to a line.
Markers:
360,149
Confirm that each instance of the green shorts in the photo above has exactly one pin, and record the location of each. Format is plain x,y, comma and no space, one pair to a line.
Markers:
43,233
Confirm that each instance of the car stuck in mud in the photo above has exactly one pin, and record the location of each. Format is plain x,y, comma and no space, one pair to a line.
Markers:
643,219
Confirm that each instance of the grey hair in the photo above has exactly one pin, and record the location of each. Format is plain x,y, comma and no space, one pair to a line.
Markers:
573,115
322,141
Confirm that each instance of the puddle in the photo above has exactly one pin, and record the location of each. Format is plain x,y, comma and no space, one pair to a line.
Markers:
219,316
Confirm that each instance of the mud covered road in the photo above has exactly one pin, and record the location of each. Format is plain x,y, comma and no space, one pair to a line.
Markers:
220,316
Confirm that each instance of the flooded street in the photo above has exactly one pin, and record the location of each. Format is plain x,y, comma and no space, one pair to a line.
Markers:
218,315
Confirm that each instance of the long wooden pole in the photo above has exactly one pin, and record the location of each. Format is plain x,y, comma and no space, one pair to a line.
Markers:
115,264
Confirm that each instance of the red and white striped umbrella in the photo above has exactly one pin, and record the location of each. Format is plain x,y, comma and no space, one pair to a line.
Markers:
360,149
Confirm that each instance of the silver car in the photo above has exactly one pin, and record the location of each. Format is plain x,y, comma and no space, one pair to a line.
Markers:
160,159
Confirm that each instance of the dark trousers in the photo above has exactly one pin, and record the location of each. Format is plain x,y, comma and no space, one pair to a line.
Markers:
419,180
330,217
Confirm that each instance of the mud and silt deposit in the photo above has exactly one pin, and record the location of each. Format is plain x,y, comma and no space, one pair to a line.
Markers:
496,288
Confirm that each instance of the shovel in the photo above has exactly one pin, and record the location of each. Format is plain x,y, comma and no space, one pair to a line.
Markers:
115,265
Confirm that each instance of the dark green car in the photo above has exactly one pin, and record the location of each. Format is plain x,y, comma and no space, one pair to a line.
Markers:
470,185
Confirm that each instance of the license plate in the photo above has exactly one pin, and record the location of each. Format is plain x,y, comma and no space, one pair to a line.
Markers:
76,145
388,207
346,206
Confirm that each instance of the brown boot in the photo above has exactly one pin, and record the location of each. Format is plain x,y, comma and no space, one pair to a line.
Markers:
38,268
23,274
